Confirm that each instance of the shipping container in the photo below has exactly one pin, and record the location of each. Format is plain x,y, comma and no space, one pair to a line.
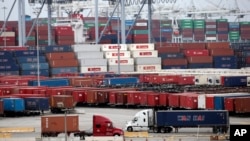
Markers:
142,53
13,105
60,55
122,68
36,103
121,61
92,62
133,47
148,68
120,81
50,82
147,60
1,108
93,69
56,123
114,47
114,54
63,63
86,47
58,103
242,105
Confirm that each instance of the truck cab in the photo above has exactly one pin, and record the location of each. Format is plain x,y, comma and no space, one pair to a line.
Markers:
141,121
103,126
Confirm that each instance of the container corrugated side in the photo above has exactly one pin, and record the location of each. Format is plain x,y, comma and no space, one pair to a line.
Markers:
114,47
123,68
122,61
147,68
60,70
147,60
141,53
114,54
13,104
89,54
86,47
36,103
33,66
133,47
93,62
93,69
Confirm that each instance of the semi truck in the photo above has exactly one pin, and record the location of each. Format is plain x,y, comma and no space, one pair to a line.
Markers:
164,121
53,125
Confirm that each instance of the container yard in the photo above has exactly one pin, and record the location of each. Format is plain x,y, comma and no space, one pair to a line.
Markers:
132,70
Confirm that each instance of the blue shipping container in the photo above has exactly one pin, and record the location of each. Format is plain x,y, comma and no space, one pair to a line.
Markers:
54,82
19,53
13,104
37,103
120,81
4,73
43,72
56,48
9,67
174,67
31,59
200,65
54,71
232,81
170,55
33,66
192,118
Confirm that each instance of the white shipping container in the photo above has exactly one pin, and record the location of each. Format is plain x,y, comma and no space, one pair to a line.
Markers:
211,38
86,47
123,61
147,60
89,54
8,34
200,79
91,69
213,80
93,62
144,53
141,47
201,101
248,80
123,68
114,47
114,54
147,68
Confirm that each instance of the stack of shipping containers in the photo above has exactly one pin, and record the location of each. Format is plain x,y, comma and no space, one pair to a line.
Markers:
111,53
62,61
234,31
146,57
211,30
222,29
90,58
199,30
29,65
245,31
187,29
8,65
64,35
140,31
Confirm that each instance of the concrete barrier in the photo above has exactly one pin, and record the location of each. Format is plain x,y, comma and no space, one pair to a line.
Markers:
17,129
119,138
136,134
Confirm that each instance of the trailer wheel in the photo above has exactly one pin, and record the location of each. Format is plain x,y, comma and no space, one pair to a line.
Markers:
155,130
163,130
130,129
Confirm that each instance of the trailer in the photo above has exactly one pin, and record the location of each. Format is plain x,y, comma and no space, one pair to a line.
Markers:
53,125
164,121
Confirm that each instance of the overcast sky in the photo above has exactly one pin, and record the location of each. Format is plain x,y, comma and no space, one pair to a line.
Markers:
199,5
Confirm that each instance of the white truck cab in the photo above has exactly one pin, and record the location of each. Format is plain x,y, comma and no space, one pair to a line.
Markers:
141,121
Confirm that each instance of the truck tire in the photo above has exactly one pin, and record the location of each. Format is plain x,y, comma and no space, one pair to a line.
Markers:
130,129
156,130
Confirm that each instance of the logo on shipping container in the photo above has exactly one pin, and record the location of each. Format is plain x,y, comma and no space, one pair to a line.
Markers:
122,61
94,69
142,46
149,68
116,54
145,53
114,47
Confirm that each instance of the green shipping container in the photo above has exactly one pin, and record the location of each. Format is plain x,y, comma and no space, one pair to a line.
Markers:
140,31
211,32
221,20
244,23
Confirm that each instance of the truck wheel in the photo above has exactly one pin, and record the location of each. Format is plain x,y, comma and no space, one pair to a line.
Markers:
163,130
116,135
155,130
130,129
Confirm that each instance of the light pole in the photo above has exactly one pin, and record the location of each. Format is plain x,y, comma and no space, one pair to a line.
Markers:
36,11
4,28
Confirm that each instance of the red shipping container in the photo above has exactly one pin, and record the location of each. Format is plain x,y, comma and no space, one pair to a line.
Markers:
242,104
189,101
165,49
212,45
78,95
229,104
112,98
60,55
1,108
196,52
186,80
7,90
28,95
153,100
174,61
133,97
222,52
62,102
121,98
163,99
174,100
64,63
193,45
30,90
200,59
7,39
210,102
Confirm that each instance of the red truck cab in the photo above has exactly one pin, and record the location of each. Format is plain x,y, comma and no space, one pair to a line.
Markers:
103,126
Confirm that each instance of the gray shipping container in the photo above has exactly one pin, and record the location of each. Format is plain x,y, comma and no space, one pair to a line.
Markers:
123,68
86,47
147,60
93,62
89,54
